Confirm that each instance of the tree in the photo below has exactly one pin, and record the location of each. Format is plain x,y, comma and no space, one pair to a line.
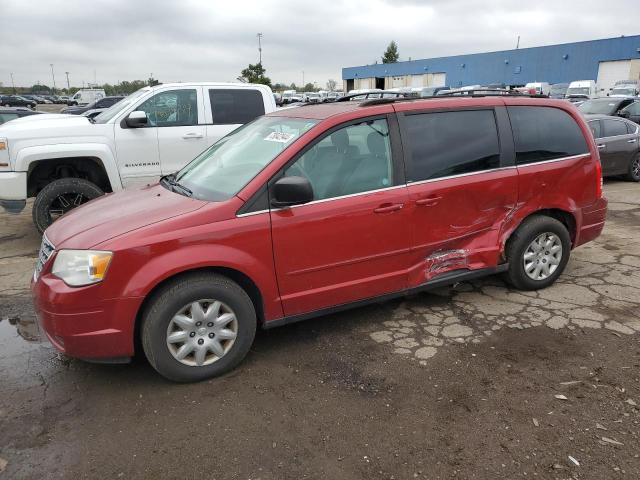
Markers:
331,84
391,54
309,87
256,74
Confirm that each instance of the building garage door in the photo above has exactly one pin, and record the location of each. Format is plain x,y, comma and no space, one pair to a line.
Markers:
417,80
610,72
437,79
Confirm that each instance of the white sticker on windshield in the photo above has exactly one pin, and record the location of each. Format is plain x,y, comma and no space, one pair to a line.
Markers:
279,137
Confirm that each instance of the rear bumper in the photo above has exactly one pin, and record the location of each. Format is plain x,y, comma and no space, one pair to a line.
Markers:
80,325
13,191
593,218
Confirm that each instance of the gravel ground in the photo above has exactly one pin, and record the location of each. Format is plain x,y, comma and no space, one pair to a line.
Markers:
475,381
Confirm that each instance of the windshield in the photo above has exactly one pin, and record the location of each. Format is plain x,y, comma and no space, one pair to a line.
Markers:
627,92
117,107
558,90
598,107
578,91
222,170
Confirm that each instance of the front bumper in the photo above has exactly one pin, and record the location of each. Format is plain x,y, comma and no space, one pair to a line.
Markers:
81,325
13,191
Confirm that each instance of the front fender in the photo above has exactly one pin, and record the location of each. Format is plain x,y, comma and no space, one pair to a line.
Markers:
30,155
149,274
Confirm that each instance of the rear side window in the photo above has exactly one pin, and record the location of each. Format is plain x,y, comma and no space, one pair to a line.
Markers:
545,133
614,128
5,117
631,127
595,128
452,143
235,106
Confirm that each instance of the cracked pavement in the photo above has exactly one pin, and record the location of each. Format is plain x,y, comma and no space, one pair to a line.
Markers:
462,382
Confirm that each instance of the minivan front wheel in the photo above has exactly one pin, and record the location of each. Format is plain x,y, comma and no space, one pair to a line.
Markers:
537,253
197,327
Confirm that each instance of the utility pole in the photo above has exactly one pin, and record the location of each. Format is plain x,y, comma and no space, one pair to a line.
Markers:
54,79
67,74
302,78
13,85
518,44
260,48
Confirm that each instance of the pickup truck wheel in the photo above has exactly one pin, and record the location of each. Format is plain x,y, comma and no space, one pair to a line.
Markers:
537,252
634,169
61,196
198,327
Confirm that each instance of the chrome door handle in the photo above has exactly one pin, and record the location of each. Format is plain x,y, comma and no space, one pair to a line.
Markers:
187,136
633,140
601,147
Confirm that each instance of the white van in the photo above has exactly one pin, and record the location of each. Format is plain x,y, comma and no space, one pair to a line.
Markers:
541,88
581,90
86,96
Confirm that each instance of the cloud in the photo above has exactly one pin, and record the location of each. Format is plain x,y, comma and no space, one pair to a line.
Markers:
214,40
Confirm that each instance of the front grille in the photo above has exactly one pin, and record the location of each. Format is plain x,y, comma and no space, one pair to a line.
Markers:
46,250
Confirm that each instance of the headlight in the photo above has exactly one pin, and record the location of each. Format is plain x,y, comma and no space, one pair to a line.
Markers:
81,267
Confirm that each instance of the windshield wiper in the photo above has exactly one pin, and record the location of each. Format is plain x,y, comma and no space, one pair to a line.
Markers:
91,119
175,186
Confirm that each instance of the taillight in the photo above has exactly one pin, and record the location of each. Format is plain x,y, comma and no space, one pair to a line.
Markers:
599,185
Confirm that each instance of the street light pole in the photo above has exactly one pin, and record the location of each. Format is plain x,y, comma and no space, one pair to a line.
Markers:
260,48
67,74
54,79
13,85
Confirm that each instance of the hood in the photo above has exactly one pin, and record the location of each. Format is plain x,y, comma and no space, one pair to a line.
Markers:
47,129
116,214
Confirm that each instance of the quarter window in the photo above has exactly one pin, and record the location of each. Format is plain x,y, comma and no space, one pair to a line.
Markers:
235,106
614,128
452,143
545,133
595,128
173,108
353,159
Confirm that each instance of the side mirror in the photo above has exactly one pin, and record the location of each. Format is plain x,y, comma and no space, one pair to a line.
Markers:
136,119
289,191
623,114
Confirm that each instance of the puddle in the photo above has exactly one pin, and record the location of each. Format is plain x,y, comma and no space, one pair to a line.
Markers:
19,335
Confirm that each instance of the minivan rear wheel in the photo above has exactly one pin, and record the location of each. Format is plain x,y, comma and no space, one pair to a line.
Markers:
537,252
197,327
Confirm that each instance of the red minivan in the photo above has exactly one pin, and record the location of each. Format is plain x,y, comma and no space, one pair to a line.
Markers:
315,209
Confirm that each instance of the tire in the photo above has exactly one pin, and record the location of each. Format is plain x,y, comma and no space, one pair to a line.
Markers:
52,200
176,300
633,174
551,233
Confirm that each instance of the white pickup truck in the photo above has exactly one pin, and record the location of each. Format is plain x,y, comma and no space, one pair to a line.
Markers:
66,160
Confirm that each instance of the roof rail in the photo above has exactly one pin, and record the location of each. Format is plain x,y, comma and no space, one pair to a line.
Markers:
487,92
378,94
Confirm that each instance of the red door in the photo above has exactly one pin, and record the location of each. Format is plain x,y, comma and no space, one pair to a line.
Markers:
353,241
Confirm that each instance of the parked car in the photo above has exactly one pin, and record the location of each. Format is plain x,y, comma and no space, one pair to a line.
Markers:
85,96
65,160
333,96
631,112
619,143
16,101
99,105
558,90
312,97
625,88
430,91
582,90
7,114
540,88
605,105
63,99
316,209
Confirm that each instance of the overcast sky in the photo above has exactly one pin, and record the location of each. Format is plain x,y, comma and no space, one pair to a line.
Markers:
188,40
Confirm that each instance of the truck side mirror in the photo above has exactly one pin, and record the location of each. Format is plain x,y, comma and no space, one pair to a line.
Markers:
136,119
289,191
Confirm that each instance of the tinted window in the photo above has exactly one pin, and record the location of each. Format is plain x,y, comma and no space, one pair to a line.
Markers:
633,109
5,117
631,127
595,128
613,128
452,143
353,159
233,106
545,133
172,108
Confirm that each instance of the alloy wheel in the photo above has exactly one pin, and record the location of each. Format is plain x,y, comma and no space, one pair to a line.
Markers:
64,203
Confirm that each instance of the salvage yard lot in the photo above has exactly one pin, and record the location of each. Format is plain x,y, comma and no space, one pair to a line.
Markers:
472,381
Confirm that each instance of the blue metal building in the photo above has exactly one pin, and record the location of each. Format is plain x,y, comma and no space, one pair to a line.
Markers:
603,60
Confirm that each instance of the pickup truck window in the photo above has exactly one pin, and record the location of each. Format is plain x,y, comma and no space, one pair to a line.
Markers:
115,109
235,106
173,108
226,167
